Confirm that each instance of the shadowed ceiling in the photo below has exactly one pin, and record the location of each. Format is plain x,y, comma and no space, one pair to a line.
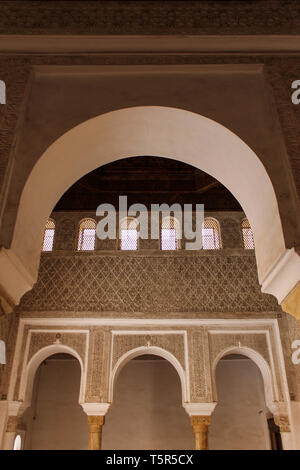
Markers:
147,180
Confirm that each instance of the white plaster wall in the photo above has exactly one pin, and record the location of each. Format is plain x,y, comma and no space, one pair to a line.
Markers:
239,421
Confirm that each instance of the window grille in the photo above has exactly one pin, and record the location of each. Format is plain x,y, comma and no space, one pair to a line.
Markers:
86,235
247,235
129,234
169,234
49,235
211,239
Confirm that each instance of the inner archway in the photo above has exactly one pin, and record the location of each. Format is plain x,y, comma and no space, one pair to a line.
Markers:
160,131
55,419
241,418
147,406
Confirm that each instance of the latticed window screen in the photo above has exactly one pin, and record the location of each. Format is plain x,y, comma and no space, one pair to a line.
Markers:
169,234
86,235
211,239
48,235
247,235
129,234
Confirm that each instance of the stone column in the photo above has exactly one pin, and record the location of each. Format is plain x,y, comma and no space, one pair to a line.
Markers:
95,436
200,414
200,425
96,417
13,421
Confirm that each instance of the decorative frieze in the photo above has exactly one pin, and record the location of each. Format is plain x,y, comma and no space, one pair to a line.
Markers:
151,17
173,343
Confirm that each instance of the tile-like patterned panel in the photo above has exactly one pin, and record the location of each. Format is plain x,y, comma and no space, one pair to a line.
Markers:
148,284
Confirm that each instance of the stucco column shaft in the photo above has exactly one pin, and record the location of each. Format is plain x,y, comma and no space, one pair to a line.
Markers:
95,436
200,425
11,431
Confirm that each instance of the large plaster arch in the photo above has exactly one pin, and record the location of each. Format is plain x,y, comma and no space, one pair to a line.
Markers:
29,371
156,351
157,131
270,388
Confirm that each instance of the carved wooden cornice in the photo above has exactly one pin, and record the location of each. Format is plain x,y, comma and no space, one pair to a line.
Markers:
150,17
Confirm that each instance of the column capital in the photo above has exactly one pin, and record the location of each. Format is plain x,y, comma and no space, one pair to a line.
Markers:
199,409
282,422
95,433
95,409
200,426
96,421
12,424
200,421
16,408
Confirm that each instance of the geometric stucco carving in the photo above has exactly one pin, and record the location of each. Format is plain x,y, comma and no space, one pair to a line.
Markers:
169,17
76,341
200,375
160,283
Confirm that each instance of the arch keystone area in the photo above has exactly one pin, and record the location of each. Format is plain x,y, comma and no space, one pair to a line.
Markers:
156,351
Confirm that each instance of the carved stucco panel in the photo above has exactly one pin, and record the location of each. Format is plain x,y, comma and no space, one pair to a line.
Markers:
39,340
230,233
98,366
200,379
154,284
289,332
173,343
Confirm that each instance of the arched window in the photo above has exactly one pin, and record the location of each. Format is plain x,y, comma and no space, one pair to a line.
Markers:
49,235
129,234
247,235
17,442
86,235
170,234
211,237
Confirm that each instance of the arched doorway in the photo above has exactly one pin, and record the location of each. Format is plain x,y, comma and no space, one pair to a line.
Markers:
146,411
159,131
55,420
241,419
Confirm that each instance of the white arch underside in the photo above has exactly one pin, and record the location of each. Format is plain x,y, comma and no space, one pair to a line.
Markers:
157,131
